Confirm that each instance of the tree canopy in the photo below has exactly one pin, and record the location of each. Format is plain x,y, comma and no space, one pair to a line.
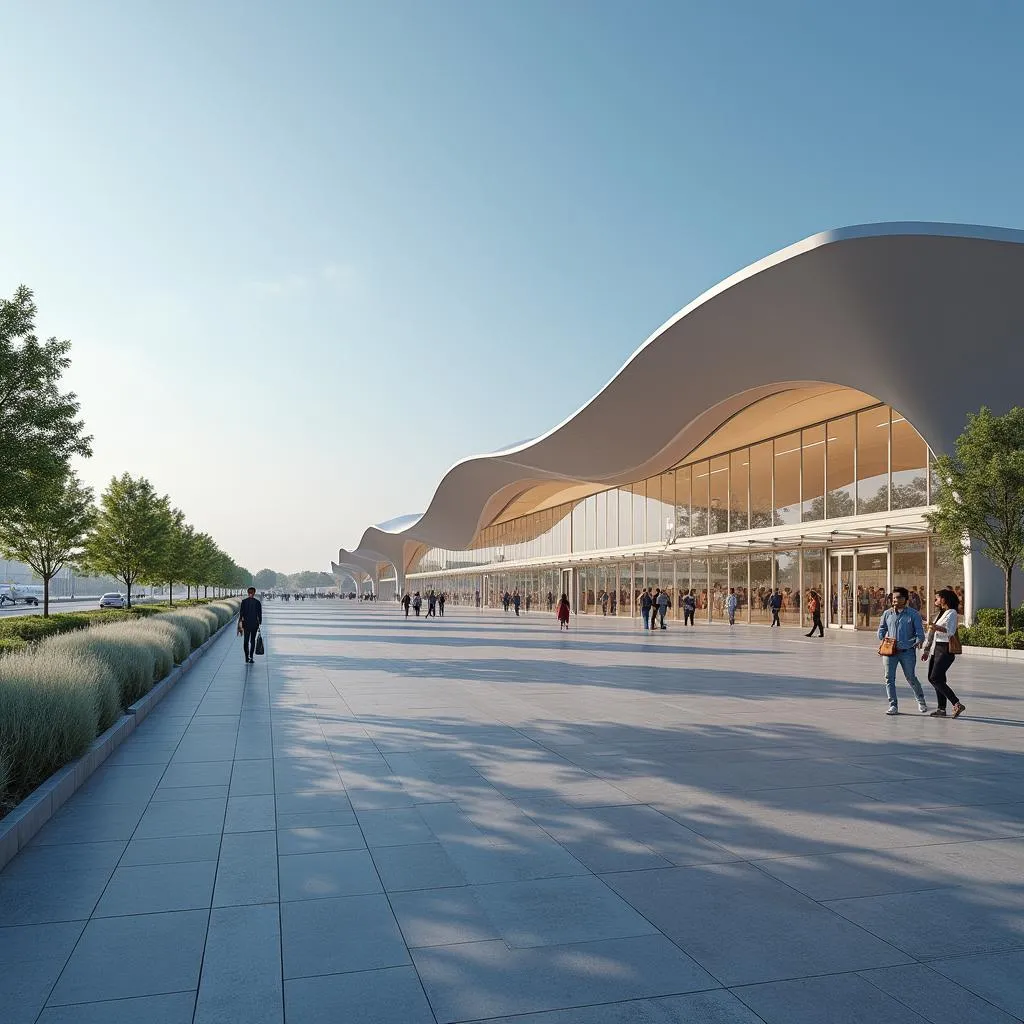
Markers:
980,493
131,533
39,425
50,531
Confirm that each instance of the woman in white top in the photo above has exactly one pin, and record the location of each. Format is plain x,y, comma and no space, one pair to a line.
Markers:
936,649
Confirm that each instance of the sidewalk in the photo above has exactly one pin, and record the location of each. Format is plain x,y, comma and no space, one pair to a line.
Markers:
478,818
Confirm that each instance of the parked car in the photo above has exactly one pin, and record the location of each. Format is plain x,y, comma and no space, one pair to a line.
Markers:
113,601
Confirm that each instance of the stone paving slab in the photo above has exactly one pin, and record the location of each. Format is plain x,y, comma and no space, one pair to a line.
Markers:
479,818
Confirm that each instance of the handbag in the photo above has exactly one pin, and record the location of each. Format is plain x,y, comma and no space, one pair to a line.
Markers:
259,643
955,646
887,648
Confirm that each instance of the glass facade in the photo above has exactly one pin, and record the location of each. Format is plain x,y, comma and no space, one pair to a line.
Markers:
859,464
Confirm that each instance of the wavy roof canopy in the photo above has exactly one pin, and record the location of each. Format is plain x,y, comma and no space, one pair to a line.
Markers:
884,310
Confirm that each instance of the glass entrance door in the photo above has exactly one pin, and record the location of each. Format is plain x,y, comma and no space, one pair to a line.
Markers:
841,593
858,584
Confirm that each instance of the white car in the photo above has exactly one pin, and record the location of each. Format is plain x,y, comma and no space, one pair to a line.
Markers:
113,601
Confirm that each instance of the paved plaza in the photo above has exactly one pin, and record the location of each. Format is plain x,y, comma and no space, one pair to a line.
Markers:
478,818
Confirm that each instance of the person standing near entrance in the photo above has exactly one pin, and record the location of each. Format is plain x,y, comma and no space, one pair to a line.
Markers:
901,631
440,604
250,618
662,605
947,604
563,612
689,607
551,600
516,601
814,607
406,601
646,603
775,604
730,605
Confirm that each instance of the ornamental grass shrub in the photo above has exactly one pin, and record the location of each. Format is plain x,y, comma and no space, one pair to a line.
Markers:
174,635
197,628
53,704
135,653
58,693
224,611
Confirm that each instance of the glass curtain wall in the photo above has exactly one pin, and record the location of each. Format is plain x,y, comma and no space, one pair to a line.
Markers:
719,574
787,582
740,583
760,587
813,579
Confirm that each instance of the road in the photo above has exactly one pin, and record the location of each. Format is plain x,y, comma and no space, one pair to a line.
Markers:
80,604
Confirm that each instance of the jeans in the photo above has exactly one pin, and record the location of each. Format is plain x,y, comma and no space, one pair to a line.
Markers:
661,617
687,617
775,618
907,660
645,613
816,624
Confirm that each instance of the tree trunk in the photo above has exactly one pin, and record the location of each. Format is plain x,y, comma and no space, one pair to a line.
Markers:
206,591
128,584
170,592
46,596
1008,596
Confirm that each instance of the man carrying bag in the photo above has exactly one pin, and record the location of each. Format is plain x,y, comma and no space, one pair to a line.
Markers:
901,633
250,617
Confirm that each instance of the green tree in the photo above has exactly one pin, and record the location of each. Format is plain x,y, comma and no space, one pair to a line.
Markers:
202,562
177,552
980,495
266,579
39,428
129,539
49,532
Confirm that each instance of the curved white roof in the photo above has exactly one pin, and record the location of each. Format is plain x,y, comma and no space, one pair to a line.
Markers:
883,309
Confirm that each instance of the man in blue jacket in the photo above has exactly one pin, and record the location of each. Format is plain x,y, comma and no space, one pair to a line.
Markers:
250,617
904,625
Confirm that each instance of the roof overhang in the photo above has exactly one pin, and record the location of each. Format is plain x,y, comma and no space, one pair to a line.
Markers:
883,310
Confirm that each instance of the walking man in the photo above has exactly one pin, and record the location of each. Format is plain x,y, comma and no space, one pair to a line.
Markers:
730,605
775,604
250,617
440,604
902,624
406,601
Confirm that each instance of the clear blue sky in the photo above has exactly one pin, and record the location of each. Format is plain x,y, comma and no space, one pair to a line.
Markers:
311,254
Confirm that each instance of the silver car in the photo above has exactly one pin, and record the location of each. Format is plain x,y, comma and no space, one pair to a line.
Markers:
113,601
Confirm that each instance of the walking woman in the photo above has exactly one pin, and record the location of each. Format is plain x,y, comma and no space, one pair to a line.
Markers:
563,612
937,651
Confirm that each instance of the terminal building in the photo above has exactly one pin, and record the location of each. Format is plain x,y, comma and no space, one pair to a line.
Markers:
778,433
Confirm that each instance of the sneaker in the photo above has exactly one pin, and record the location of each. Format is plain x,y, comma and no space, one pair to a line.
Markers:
940,713
959,710
893,710
922,707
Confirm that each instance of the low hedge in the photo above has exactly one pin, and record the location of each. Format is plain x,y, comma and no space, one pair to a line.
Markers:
996,618
983,635
59,693
33,628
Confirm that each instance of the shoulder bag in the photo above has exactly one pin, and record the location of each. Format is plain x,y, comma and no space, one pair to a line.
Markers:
955,646
887,648
259,643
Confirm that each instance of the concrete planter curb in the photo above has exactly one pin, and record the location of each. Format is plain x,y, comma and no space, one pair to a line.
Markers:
18,828
994,653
